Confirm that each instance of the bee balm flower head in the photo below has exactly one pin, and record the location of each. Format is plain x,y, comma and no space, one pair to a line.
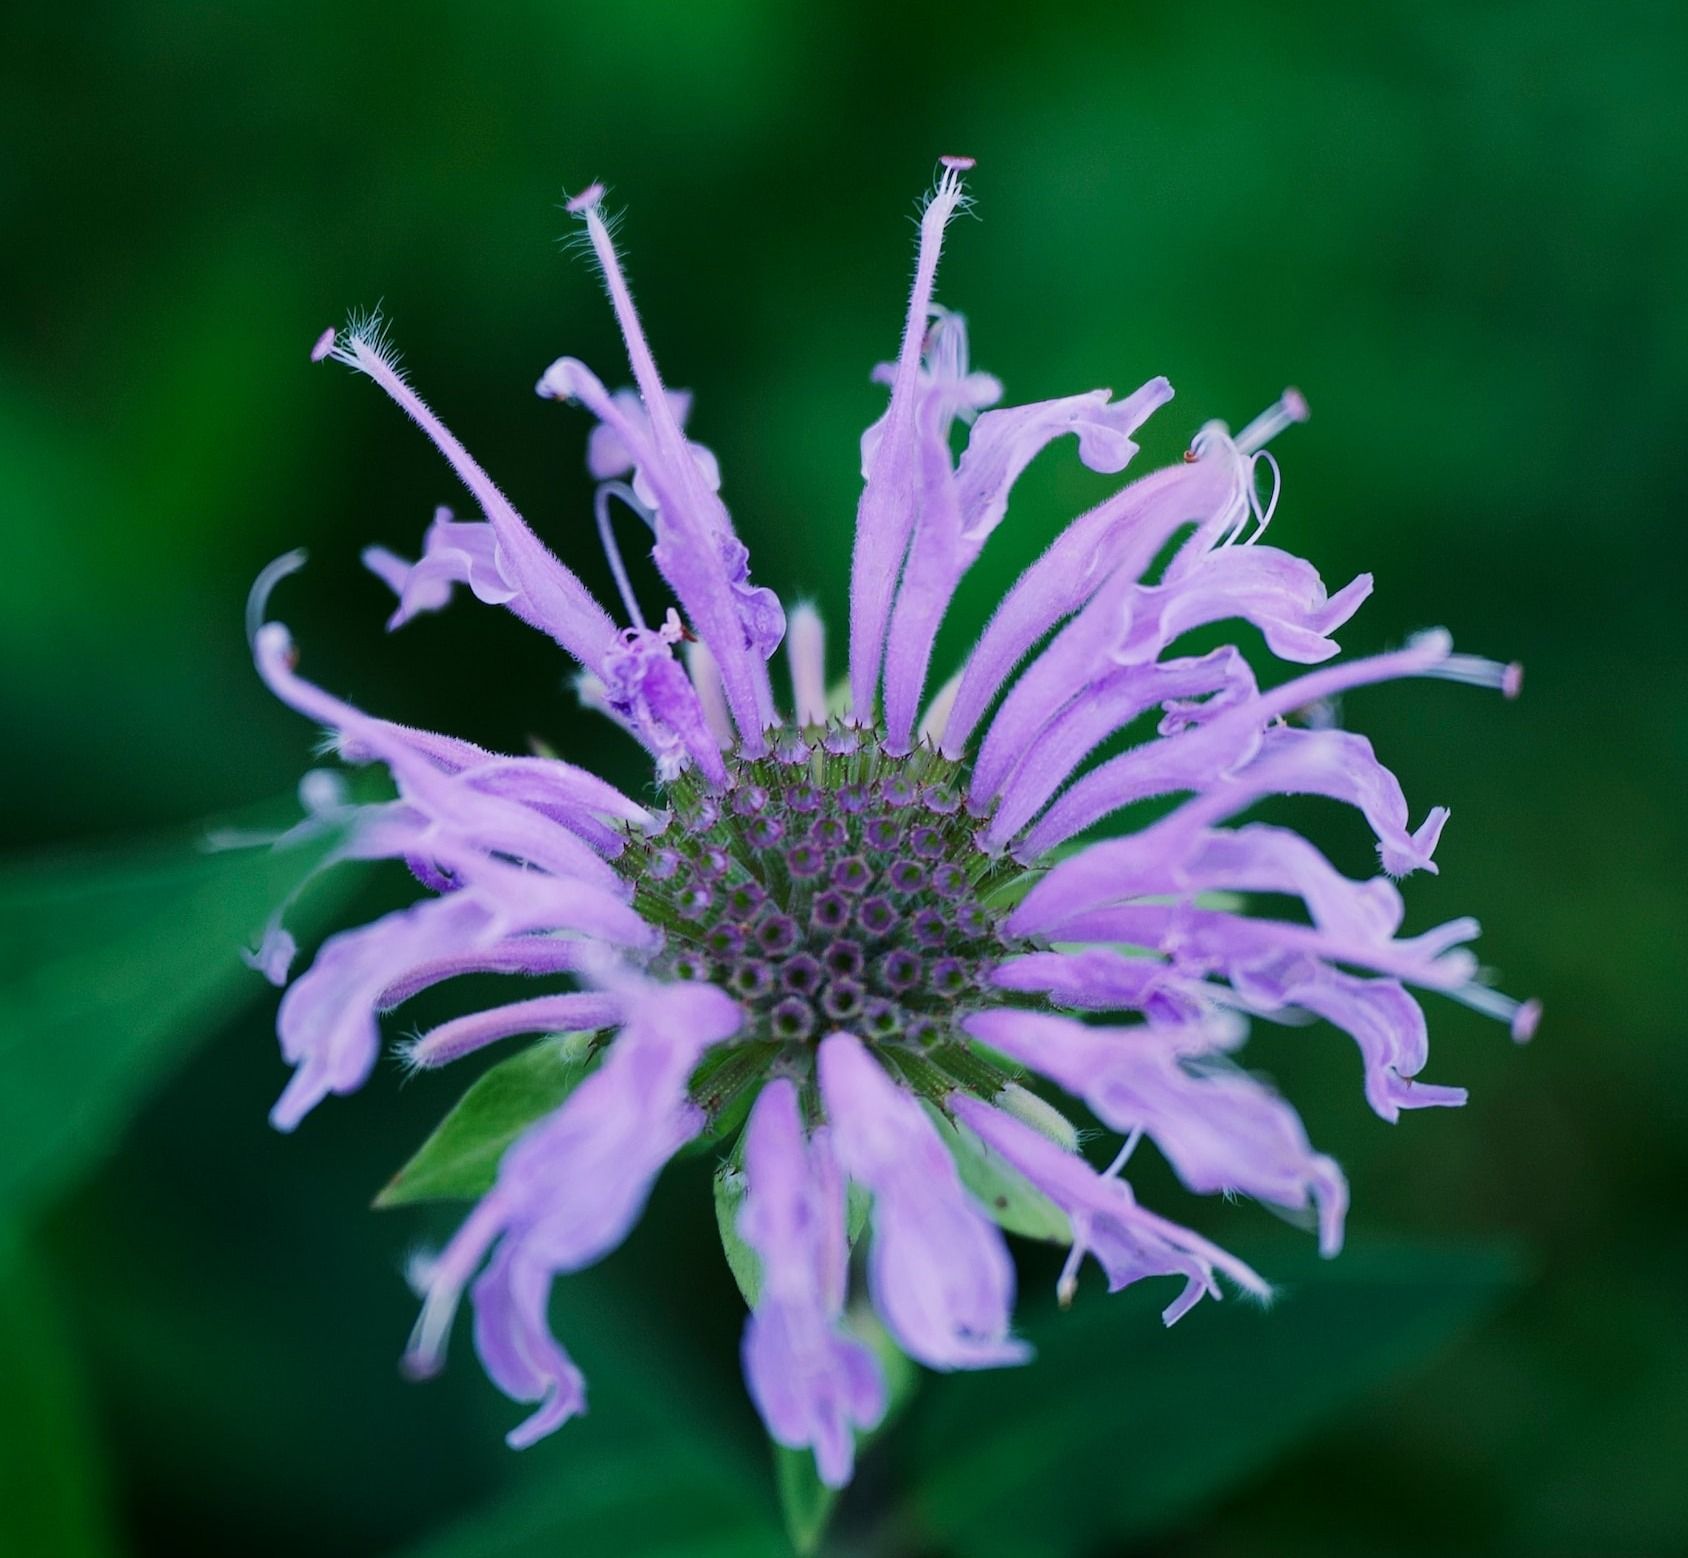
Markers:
864,928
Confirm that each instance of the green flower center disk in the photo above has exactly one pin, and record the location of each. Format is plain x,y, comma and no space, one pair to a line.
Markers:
832,886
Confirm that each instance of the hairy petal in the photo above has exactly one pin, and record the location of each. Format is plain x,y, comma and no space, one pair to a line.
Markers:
570,1189
1222,1130
578,1012
1222,677
327,1020
892,467
1129,1242
961,507
814,1385
1119,536
543,592
1202,758
940,1274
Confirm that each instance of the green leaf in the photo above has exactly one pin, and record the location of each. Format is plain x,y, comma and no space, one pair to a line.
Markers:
805,1501
1120,1426
52,1493
459,1161
1001,1190
111,968
741,1259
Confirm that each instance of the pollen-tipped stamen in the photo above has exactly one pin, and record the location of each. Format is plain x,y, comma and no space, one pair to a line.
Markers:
1287,410
606,538
1521,1017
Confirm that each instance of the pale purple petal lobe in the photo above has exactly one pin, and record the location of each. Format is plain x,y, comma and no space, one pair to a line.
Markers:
940,1274
815,1385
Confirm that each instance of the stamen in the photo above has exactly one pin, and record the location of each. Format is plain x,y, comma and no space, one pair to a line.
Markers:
450,1275
1475,671
324,345
1286,411
258,597
1123,1156
606,537
1066,1285
1263,513
1250,505
1521,1017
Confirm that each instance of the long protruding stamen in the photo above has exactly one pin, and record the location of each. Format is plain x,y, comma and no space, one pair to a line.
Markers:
1521,1017
1123,1156
1288,409
885,517
1066,1285
606,537
1096,793
258,597
1474,671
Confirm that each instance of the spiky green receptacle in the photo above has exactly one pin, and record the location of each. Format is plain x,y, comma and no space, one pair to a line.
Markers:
833,885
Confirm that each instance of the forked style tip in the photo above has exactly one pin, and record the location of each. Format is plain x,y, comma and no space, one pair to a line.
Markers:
586,199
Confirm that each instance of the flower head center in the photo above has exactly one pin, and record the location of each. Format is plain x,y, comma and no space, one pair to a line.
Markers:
831,886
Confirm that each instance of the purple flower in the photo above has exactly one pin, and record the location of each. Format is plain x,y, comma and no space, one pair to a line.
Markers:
870,919
812,1383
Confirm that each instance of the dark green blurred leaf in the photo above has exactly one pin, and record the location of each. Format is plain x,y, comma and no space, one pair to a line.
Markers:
1120,1426
634,1502
111,968
460,1160
52,1493
664,1465
805,1501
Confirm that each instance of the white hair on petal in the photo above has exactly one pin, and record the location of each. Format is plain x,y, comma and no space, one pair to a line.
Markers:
583,210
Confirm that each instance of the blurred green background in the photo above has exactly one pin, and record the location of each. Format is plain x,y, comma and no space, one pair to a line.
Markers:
1461,229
